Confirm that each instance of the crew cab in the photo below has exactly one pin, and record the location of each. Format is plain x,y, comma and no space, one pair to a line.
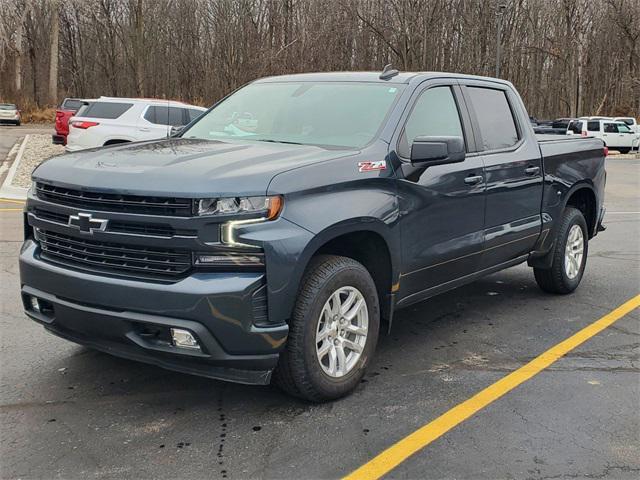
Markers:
276,235
67,109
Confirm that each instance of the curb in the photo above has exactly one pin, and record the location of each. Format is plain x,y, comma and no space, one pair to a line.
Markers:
8,191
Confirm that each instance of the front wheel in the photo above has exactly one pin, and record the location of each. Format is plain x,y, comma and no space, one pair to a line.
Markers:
624,150
569,256
333,330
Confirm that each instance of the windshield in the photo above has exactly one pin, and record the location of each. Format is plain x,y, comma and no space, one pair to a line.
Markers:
7,106
622,128
328,114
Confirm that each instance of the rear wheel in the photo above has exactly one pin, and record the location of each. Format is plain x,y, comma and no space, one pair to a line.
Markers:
623,150
569,255
333,331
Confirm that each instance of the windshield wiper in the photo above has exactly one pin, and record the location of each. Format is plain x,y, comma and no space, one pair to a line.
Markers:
275,141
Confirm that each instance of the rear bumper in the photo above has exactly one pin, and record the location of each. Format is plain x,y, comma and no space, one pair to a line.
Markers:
131,319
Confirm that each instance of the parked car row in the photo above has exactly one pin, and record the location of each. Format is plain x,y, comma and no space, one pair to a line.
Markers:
619,133
615,133
82,124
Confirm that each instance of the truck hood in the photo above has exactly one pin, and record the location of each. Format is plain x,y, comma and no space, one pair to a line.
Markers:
181,167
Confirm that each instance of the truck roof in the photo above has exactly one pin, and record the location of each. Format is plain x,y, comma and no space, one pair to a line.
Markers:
402,77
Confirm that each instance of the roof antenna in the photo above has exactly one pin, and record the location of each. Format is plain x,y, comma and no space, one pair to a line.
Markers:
388,72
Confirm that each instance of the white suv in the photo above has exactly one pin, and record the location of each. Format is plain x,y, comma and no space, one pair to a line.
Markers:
615,135
110,120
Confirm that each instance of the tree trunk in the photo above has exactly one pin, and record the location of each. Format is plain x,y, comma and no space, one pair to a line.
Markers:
18,66
53,60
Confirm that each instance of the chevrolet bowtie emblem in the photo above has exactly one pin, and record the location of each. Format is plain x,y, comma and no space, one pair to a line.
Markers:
86,223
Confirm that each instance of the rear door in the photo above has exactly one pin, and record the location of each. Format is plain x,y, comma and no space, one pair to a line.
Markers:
513,171
158,120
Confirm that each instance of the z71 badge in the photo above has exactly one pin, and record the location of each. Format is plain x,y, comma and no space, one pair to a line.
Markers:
372,166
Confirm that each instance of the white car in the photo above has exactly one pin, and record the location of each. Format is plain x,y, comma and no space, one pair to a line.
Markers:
110,120
615,135
631,122
9,112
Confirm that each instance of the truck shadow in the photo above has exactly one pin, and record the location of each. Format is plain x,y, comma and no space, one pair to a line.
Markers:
439,328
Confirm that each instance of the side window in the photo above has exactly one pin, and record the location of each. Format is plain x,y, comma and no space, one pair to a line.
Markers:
575,126
497,125
610,128
150,114
593,126
108,110
434,114
166,116
193,114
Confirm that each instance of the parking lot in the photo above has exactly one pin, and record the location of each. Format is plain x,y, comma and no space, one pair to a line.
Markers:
70,412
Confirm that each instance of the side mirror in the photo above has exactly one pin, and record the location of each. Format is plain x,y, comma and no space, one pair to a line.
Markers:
437,150
175,131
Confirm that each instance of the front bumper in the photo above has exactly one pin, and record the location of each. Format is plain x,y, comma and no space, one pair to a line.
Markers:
128,318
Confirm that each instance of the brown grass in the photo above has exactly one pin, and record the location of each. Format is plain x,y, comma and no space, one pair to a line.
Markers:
39,115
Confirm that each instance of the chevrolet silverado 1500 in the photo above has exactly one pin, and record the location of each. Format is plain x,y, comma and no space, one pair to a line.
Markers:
279,232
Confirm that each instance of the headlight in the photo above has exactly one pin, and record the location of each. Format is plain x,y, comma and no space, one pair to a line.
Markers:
269,207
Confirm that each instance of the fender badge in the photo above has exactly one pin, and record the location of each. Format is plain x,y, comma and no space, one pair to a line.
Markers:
372,166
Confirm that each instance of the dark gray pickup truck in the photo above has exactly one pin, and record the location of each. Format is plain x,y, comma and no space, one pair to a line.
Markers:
279,232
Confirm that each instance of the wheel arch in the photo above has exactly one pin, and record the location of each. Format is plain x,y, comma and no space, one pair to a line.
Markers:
368,241
583,197
115,141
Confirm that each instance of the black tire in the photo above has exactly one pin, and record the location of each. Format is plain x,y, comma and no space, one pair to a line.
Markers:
17,124
556,279
299,372
623,150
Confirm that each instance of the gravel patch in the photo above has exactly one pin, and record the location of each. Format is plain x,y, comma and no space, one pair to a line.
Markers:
37,150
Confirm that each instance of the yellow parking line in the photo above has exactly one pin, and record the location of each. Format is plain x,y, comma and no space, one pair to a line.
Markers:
399,452
10,200
10,209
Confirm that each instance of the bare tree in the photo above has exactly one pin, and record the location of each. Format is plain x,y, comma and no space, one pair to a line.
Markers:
566,57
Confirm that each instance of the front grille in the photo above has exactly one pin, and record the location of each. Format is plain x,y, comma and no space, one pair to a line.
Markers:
112,258
113,202
117,226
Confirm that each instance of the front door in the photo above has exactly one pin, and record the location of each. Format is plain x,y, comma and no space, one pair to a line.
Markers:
442,206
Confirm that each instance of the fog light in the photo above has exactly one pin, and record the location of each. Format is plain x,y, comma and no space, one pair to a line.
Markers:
184,339
35,304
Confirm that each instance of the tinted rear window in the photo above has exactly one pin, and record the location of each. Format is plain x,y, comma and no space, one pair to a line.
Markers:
593,126
193,114
110,110
173,116
575,127
71,104
497,125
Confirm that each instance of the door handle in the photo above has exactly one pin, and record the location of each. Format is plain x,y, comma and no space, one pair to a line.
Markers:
145,129
473,179
531,170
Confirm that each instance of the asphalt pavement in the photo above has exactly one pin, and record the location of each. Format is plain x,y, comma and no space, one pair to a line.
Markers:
70,412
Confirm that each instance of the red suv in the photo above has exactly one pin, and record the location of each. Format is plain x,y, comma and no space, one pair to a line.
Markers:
67,110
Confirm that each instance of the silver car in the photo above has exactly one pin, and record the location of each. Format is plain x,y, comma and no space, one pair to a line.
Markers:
9,113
